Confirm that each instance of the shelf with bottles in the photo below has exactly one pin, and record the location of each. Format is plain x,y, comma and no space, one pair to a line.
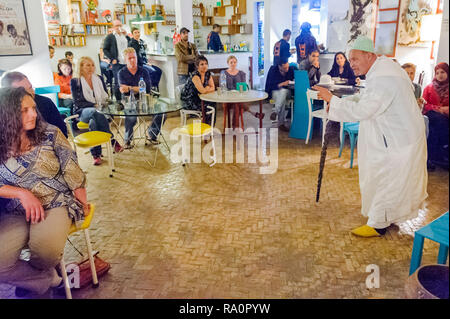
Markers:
169,16
207,21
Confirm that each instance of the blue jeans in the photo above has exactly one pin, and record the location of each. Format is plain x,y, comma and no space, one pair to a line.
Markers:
97,122
155,74
153,129
115,69
281,97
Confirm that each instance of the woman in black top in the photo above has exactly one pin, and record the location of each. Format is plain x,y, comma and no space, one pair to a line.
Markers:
342,69
200,82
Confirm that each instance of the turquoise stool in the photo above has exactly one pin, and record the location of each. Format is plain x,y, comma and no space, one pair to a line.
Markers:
437,231
352,130
55,89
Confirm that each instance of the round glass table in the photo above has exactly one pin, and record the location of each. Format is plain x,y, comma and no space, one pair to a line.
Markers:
160,106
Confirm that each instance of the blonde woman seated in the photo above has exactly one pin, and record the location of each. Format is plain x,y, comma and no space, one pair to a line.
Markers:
89,91
44,190
235,76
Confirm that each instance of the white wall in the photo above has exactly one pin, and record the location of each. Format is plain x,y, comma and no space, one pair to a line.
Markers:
277,18
37,66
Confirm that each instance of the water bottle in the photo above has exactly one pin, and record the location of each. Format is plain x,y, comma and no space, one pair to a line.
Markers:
132,101
142,92
223,81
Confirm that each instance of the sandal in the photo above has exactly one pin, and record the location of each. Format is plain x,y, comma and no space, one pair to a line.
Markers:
257,115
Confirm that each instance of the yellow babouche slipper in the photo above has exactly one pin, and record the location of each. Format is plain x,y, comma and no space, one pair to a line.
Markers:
365,231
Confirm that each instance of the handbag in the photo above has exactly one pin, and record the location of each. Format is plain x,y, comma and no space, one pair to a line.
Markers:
101,267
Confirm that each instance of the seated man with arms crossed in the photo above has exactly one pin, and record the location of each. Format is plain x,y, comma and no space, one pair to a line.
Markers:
129,78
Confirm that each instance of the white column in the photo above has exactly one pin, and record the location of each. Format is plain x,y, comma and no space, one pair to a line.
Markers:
277,18
183,12
442,55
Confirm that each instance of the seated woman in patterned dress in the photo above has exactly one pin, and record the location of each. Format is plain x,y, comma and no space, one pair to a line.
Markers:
45,192
200,82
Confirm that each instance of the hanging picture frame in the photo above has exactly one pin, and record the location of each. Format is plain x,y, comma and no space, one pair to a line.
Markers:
14,33
76,15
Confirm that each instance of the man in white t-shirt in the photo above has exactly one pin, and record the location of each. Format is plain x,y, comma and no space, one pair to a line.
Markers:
113,47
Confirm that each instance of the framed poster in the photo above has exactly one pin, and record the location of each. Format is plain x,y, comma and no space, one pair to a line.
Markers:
14,34
75,12
51,11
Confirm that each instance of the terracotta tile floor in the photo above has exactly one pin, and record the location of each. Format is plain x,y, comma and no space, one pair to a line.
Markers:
229,232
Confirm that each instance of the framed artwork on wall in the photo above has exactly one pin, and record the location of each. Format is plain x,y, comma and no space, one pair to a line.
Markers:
75,12
14,34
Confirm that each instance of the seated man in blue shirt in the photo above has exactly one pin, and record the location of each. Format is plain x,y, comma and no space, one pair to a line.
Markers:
214,42
45,106
277,87
129,78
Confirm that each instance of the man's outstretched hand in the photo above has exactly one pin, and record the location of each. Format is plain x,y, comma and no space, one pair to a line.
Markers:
323,93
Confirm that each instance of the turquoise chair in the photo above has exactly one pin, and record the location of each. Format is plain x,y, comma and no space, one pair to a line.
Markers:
300,123
436,231
352,130
55,89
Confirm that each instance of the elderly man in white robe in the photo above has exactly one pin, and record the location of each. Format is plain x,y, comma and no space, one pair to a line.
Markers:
392,148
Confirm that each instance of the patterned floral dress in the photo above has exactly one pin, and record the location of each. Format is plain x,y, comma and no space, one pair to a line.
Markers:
50,171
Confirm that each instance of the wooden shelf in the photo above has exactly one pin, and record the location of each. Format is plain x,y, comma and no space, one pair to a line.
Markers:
130,8
100,24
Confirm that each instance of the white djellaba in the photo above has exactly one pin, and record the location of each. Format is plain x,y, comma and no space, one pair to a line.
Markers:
392,145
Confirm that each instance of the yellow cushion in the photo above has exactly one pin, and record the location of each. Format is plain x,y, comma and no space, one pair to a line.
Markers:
86,222
83,126
91,139
196,129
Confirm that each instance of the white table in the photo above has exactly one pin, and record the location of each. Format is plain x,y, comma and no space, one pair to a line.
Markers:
235,98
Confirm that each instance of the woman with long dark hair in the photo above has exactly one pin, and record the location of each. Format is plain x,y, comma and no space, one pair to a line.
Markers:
436,109
341,69
200,82
45,188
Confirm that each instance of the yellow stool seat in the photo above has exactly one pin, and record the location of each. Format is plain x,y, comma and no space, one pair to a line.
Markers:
83,126
91,139
86,222
196,129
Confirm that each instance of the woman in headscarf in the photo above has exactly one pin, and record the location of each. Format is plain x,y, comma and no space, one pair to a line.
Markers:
341,69
436,108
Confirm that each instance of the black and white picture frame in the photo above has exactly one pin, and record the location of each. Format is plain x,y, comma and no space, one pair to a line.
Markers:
14,32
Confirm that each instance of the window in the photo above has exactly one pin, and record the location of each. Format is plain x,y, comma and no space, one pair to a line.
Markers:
385,38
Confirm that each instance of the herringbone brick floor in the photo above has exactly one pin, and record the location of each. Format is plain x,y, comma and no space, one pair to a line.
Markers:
229,232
